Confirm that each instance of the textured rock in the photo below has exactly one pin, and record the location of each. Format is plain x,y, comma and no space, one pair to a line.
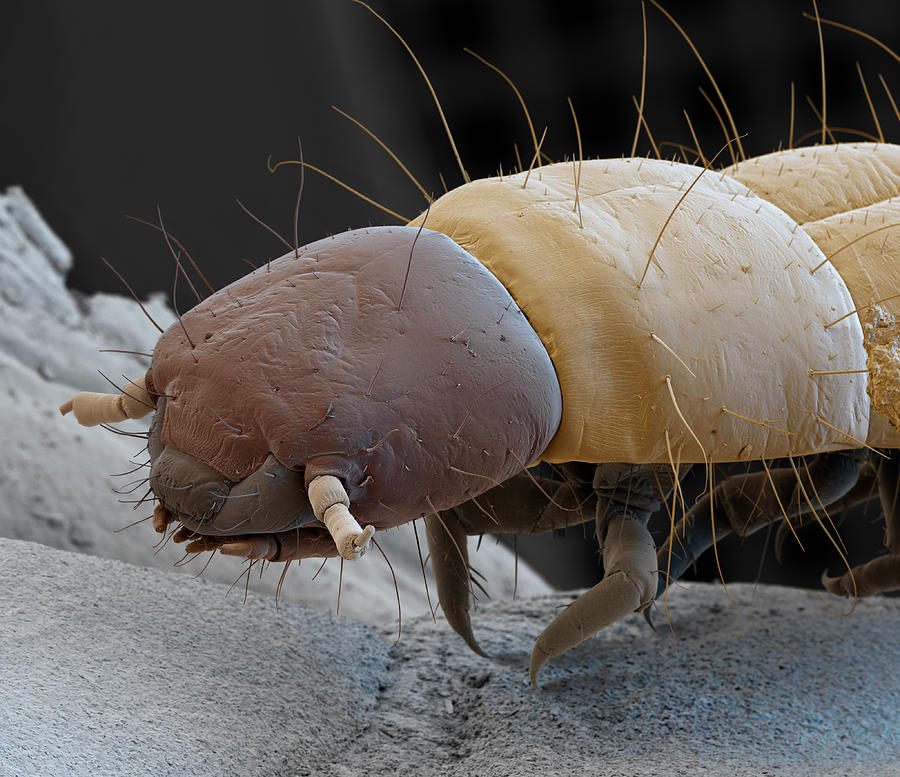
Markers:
109,669
54,474
114,670
52,330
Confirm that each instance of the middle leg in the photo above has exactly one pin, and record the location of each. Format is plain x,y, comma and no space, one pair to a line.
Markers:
747,503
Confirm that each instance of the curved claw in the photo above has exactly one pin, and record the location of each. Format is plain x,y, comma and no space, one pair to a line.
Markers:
610,600
629,557
834,585
781,535
880,574
449,561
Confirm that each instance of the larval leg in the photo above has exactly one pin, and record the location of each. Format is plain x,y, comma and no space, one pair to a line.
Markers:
524,504
629,560
749,502
883,572
627,496
450,562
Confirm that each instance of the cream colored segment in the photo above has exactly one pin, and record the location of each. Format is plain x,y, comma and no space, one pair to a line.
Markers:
734,300
815,182
604,177
864,247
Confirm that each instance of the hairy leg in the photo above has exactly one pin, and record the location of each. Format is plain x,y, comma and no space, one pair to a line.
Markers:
525,504
627,496
863,491
747,503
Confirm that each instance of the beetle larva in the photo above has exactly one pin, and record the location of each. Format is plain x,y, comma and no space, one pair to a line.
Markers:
619,318
400,372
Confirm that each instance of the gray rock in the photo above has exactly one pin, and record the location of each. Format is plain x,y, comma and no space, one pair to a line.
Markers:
114,670
110,669
34,229
47,328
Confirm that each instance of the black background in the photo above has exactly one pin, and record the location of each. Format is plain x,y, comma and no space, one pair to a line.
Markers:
112,108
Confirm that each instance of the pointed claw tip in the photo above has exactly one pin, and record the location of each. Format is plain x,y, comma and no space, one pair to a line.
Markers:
539,657
475,647
834,585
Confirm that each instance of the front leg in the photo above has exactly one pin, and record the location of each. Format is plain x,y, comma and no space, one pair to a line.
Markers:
628,585
525,504
627,496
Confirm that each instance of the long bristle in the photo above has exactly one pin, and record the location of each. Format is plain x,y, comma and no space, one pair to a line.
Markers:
393,156
642,119
131,291
396,590
709,75
818,19
518,95
434,96
637,128
862,80
272,168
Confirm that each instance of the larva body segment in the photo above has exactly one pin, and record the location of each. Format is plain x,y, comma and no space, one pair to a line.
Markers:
845,198
731,293
817,182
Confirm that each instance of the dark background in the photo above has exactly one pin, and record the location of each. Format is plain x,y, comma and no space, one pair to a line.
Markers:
111,108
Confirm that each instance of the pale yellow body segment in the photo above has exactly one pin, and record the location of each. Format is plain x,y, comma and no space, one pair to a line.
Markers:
846,199
729,316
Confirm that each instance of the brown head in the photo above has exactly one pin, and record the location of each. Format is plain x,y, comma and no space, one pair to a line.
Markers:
397,364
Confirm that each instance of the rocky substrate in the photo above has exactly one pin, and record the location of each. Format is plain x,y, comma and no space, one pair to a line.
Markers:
111,669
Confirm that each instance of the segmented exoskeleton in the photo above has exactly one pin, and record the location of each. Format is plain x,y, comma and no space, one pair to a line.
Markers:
382,375
545,348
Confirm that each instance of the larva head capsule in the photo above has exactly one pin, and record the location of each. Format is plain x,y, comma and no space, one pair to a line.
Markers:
386,360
